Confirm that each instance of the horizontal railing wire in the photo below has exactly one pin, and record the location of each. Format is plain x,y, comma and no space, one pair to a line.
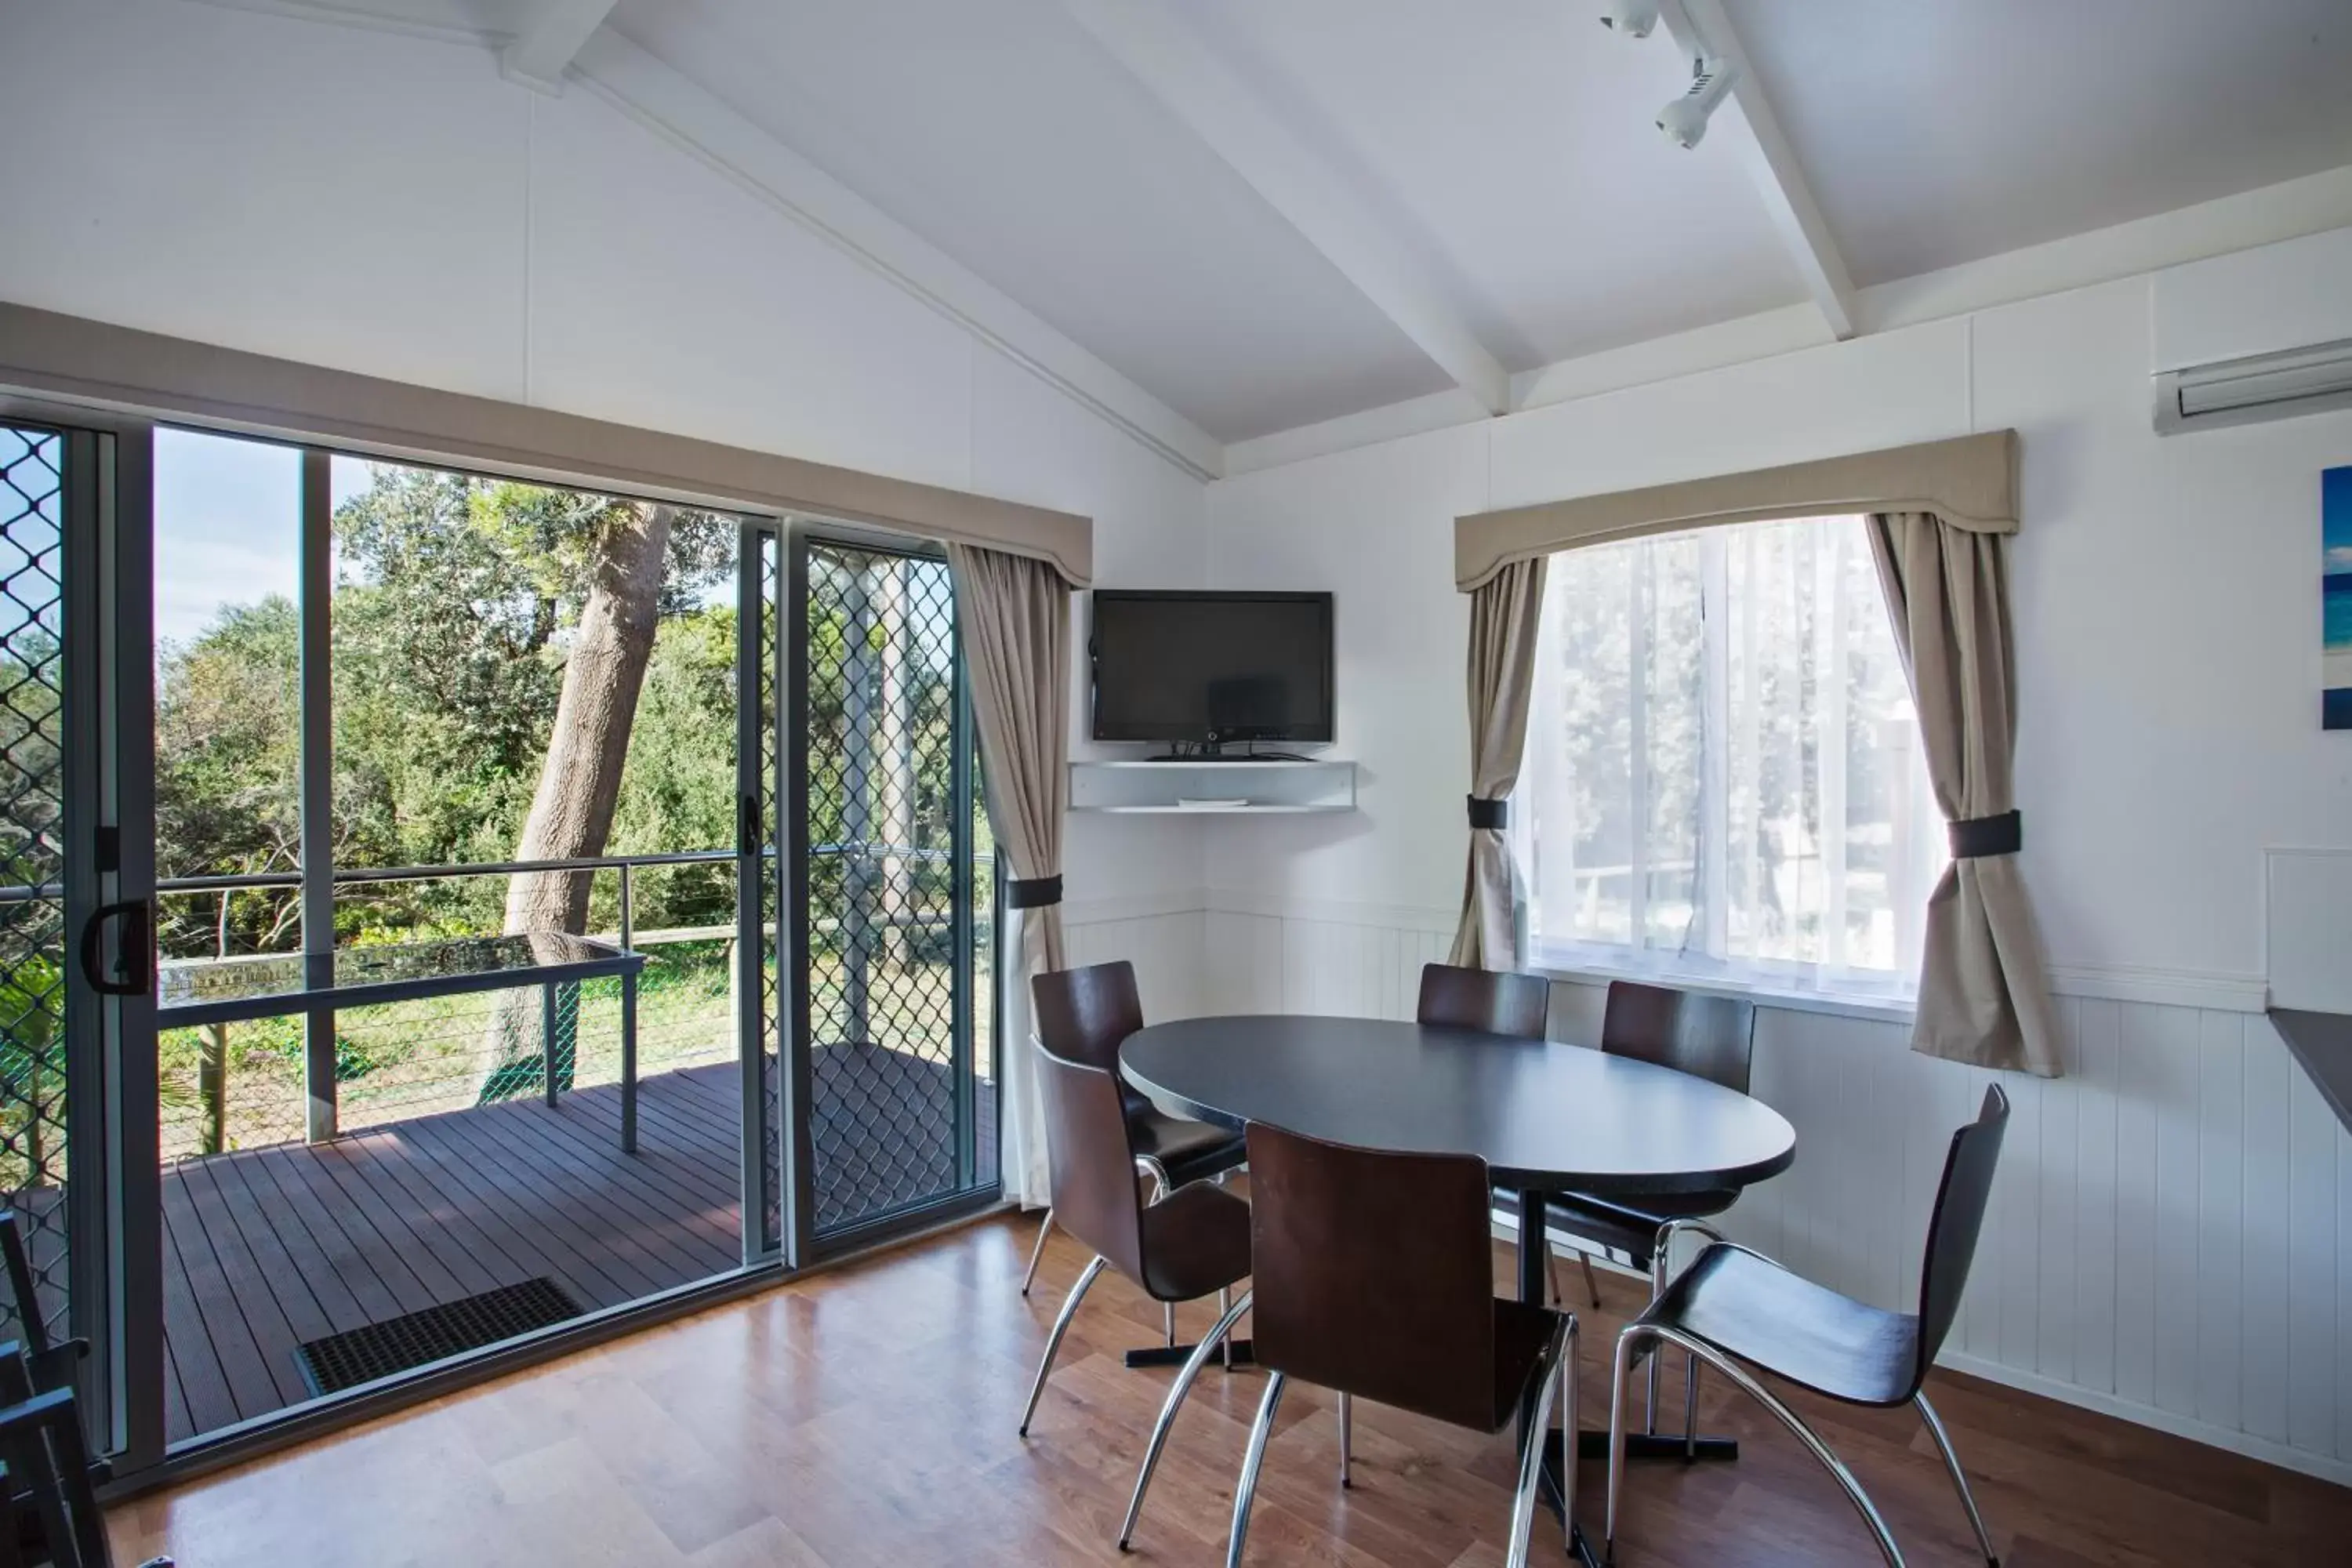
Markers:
241,1085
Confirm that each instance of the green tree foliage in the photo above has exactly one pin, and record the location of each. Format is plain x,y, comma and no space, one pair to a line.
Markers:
451,615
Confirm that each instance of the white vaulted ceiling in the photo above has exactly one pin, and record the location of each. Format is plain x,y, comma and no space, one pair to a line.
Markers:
1265,213
998,132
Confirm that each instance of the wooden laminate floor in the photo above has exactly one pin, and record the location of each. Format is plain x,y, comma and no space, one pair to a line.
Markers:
866,1417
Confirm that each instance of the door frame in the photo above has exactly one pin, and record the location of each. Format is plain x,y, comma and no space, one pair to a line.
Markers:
115,1198
113,1202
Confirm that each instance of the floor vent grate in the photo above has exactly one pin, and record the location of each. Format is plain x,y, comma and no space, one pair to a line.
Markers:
343,1361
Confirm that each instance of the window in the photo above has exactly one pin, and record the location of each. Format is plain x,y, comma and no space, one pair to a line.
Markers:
1722,780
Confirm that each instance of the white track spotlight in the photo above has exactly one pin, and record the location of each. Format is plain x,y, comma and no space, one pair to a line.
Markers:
1684,119
1632,18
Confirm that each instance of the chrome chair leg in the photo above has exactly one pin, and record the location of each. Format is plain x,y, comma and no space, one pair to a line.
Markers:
1037,1253
1245,1490
1960,1476
1690,1407
1226,1311
1557,1367
1168,1318
1347,1438
1159,1430
1629,1340
1053,1341
1748,1384
1650,1399
1592,1285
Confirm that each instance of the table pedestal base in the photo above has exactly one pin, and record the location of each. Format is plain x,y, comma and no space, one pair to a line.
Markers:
1658,1445
1591,1445
1177,1355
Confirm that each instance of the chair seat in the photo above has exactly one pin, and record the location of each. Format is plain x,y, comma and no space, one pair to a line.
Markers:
1196,1240
1792,1328
1629,1223
1188,1150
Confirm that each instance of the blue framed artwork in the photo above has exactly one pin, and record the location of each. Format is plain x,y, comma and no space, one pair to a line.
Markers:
2336,598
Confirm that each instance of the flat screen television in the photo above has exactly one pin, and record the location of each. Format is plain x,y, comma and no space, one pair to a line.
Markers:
1211,669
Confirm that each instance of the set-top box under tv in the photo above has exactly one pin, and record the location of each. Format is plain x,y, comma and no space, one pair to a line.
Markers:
1211,669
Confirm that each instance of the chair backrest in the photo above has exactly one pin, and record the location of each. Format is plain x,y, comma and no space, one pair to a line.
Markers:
1372,1274
1499,1004
1712,1038
1090,1154
1952,1229
1084,1016
49,1479
23,1308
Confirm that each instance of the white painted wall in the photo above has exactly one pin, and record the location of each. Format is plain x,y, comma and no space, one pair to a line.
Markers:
390,205
2172,1239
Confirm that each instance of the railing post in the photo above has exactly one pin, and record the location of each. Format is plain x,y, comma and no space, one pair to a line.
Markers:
629,1061
212,1094
548,1022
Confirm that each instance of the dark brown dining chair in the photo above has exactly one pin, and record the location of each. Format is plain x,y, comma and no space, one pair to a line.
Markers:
1488,1000
1712,1038
1192,1241
1373,1275
1085,1016
1493,1002
1735,1308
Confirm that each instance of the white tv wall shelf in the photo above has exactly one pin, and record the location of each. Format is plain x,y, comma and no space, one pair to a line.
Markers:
1252,786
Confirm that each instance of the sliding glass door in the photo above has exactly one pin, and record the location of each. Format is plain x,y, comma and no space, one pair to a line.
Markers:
475,745
74,910
439,909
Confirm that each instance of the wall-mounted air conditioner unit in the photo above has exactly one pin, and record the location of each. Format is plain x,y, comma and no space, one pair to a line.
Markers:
2264,386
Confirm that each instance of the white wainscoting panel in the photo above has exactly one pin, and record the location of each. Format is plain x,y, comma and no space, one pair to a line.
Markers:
2170,1237
1165,949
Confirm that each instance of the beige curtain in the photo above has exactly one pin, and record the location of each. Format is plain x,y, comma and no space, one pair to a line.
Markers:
1984,995
1013,611
1505,613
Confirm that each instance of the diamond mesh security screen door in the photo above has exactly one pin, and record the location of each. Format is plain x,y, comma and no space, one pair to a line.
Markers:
34,1094
896,882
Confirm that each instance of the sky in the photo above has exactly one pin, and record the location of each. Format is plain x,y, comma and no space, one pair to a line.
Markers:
228,525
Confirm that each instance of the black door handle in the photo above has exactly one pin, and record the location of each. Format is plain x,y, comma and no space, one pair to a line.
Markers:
137,948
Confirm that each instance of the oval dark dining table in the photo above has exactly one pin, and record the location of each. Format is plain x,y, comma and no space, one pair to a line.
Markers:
1546,1115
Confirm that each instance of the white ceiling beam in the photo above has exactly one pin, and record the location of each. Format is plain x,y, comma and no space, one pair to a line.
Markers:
1746,124
1160,50
538,55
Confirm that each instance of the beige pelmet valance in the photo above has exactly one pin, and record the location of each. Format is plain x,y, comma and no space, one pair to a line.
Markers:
66,357
1970,482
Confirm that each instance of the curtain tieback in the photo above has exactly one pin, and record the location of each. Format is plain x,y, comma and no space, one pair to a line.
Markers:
1974,838
1490,814
1033,893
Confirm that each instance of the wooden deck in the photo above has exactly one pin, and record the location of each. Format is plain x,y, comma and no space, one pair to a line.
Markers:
266,1249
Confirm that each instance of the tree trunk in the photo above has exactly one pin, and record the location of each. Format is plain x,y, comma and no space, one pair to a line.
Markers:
572,815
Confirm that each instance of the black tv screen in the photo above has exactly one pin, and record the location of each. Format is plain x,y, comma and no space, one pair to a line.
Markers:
1178,665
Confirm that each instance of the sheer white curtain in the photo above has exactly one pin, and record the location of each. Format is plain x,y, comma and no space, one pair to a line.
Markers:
1723,777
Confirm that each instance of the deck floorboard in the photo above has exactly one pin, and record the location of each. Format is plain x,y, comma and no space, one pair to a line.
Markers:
267,1248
